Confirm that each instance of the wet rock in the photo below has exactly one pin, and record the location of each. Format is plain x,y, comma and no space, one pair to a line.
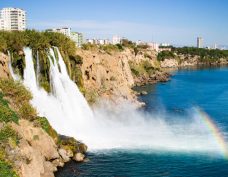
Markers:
79,157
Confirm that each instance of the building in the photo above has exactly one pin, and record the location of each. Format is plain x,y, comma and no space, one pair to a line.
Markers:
12,19
90,41
77,38
199,42
153,46
106,41
65,30
165,44
98,41
116,40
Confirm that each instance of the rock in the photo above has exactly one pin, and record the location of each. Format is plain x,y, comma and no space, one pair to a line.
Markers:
82,148
49,168
79,157
58,163
33,156
4,69
144,93
169,63
64,155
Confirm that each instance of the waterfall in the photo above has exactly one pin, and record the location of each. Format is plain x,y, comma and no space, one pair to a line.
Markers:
65,107
108,127
29,73
37,68
14,76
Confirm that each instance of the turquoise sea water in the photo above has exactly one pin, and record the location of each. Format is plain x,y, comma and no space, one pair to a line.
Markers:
206,88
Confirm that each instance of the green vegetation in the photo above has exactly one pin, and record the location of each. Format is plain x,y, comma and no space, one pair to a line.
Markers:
205,55
143,68
69,143
110,48
6,169
16,40
165,55
91,96
40,43
128,44
6,114
8,137
19,98
8,134
45,125
89,46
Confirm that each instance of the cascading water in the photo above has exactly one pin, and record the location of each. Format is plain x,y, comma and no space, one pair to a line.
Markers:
118,127
37,68
14,76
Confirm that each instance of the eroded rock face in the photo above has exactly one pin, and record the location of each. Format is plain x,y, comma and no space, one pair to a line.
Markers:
169,63
36,150
109,75
4,69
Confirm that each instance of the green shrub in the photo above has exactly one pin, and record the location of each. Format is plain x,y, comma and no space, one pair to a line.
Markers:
45,125
91,96
26,111
6,114
165,55
19,98
8,134
143,68
206,55
109,48
69,143
89,46
15,91
6,170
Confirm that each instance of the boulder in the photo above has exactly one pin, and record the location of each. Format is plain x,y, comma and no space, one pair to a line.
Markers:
79,157
65,156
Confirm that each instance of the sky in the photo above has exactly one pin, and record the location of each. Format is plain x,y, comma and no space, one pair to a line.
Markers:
176,22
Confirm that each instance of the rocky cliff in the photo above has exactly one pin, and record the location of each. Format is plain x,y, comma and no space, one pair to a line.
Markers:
112,75
4,70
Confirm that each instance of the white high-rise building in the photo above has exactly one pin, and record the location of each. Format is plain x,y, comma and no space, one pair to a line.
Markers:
199,42
77,38
116,40
12,19
66,31
153,46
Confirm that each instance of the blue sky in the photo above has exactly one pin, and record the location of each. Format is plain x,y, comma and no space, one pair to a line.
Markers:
173,21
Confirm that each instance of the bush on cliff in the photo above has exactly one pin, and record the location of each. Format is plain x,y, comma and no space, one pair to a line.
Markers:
165,55
6,114
19,98
45,125
6,169
144,68
206,55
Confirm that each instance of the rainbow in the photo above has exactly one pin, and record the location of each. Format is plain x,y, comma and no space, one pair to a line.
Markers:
215,131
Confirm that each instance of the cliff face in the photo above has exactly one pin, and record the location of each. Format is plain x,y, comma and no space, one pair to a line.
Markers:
111,75
186,60
4,70
106,75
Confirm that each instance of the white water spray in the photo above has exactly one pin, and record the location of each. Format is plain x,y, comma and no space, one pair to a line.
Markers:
118,127
14,76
